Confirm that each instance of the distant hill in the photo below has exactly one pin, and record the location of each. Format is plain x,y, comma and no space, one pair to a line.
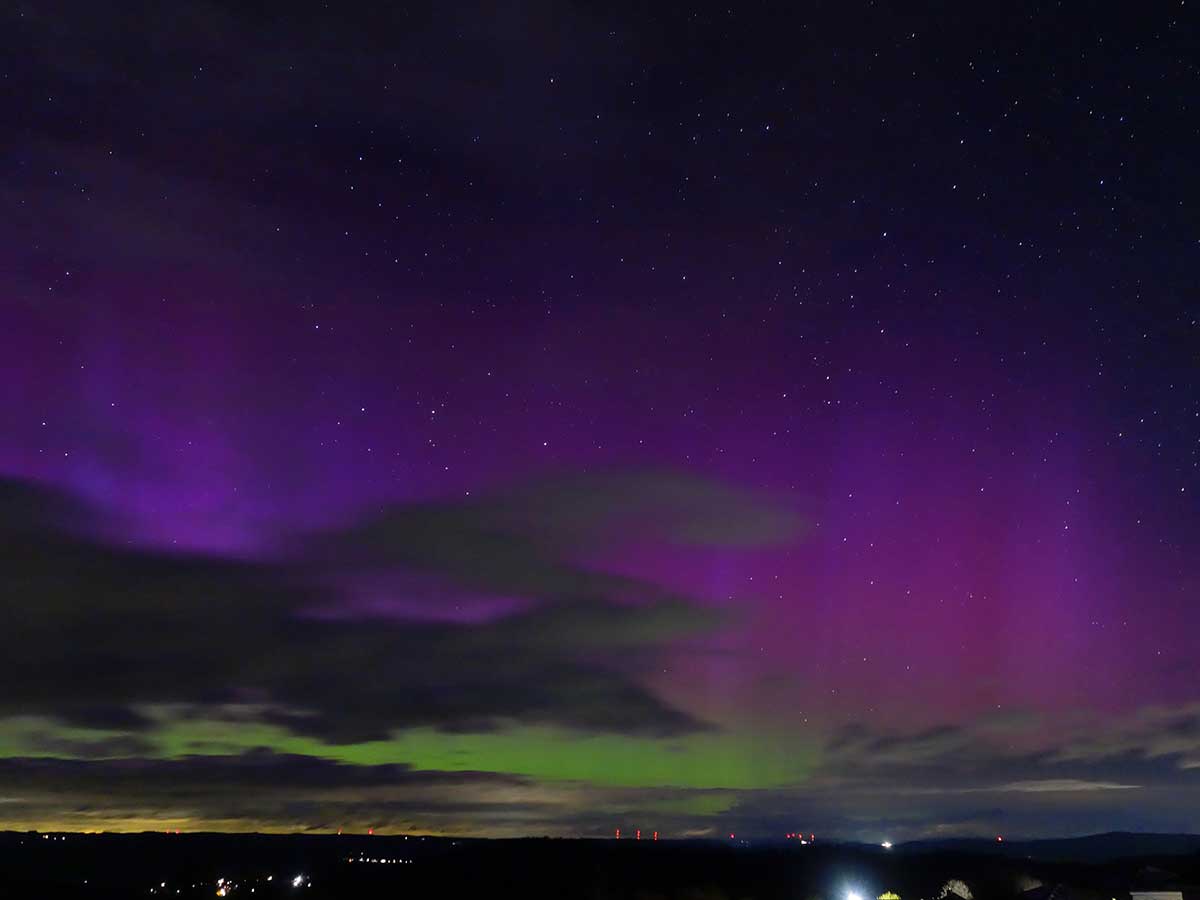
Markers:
1092,848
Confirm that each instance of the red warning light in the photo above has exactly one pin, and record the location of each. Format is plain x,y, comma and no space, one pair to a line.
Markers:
1000,838
370,831
656,835
618,834
731,835
638,835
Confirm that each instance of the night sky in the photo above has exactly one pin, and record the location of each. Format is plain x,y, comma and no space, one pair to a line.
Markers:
543,418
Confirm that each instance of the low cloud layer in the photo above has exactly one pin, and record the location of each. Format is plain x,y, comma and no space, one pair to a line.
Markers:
260,789
1010,774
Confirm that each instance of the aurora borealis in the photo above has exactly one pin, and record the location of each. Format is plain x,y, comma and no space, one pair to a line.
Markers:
539,420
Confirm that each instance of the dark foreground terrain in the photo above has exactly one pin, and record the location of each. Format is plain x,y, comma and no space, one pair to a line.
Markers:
1106,867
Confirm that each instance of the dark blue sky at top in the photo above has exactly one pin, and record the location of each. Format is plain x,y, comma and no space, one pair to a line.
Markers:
809,391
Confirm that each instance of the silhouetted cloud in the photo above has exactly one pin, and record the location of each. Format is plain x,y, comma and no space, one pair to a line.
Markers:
1153,733
258,788
1011,773
523,540
125,745
150,628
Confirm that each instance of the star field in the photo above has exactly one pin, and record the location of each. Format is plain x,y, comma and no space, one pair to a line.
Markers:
531,420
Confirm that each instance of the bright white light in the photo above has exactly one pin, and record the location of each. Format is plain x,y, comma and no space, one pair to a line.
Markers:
853,895
297,881
886,845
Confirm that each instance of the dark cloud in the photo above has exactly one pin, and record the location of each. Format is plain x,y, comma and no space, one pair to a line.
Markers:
256,788
126,745
522,540
263,769
140,626
105,717
622,506
35,510
1159,733
546,666
147,627
992,773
